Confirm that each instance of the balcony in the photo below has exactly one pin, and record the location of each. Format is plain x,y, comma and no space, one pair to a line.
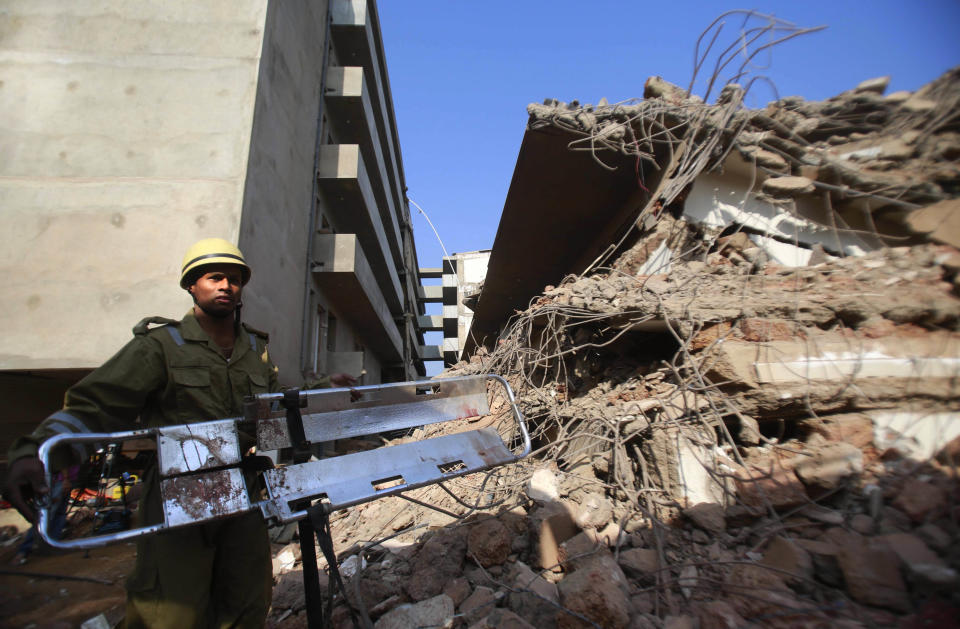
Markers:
352,117
354,31
341,270
430,323
430,352
430,294
343,175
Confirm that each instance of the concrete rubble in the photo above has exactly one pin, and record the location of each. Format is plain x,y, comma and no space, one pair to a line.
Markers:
747,416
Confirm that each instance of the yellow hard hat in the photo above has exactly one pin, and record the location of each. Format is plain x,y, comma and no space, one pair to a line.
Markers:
211,251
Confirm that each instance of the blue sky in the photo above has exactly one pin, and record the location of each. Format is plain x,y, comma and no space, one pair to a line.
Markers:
462,74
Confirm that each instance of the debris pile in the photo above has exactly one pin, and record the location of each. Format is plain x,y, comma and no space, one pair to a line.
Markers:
722,439
855,172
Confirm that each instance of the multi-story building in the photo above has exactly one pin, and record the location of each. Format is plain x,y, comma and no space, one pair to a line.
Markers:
461,280
131,131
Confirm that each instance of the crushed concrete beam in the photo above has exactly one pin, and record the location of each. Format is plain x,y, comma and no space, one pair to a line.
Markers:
852,366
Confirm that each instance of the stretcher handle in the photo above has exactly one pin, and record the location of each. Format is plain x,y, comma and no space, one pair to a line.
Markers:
45,504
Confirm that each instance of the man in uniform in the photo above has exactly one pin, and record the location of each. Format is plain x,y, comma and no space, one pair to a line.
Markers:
200,368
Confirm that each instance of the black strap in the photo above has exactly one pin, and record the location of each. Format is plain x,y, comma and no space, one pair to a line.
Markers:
311,576
320,519
291,401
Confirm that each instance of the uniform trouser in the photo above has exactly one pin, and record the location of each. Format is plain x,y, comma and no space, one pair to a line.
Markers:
217,574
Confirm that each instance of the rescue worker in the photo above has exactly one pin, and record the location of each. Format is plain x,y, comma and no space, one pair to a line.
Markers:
200,368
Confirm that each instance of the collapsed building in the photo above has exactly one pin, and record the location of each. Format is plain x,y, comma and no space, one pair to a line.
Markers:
735,338
742,380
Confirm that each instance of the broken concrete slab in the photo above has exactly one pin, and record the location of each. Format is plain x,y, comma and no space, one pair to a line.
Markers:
526,579
771,483
765,592
687,580
918,105
288,591
438,562
532,593
830,466
680,622
871,574
939,222
685,461
478,604
611,535
594,511
432,612
657,87
934,536
922,564
919,499
489,542
597,594
764,158
458,590
717,201
286,559
863,524
746,430
854,428
788,186
640,563
823,555
876,85
542,485
826,515
718,615
502,619
707,515
792,562
579,550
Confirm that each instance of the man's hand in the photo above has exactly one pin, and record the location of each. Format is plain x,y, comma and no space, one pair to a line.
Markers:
25,482
345,380
342,380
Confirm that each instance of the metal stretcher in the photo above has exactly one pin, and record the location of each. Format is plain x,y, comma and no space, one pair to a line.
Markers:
201,467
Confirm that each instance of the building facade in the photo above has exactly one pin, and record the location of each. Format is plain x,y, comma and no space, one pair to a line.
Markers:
132,132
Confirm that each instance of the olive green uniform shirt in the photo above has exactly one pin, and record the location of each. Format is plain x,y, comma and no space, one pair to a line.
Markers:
166,375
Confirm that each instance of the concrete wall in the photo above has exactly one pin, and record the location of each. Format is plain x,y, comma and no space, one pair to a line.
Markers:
278,198
126,132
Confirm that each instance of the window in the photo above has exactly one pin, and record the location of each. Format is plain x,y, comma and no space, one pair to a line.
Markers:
331,332
319,337
325,227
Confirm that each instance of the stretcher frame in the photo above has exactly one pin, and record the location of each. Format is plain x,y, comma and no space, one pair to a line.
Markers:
202,471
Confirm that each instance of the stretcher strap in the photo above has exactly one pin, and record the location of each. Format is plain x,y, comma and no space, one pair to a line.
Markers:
311,576
320,519
291,401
